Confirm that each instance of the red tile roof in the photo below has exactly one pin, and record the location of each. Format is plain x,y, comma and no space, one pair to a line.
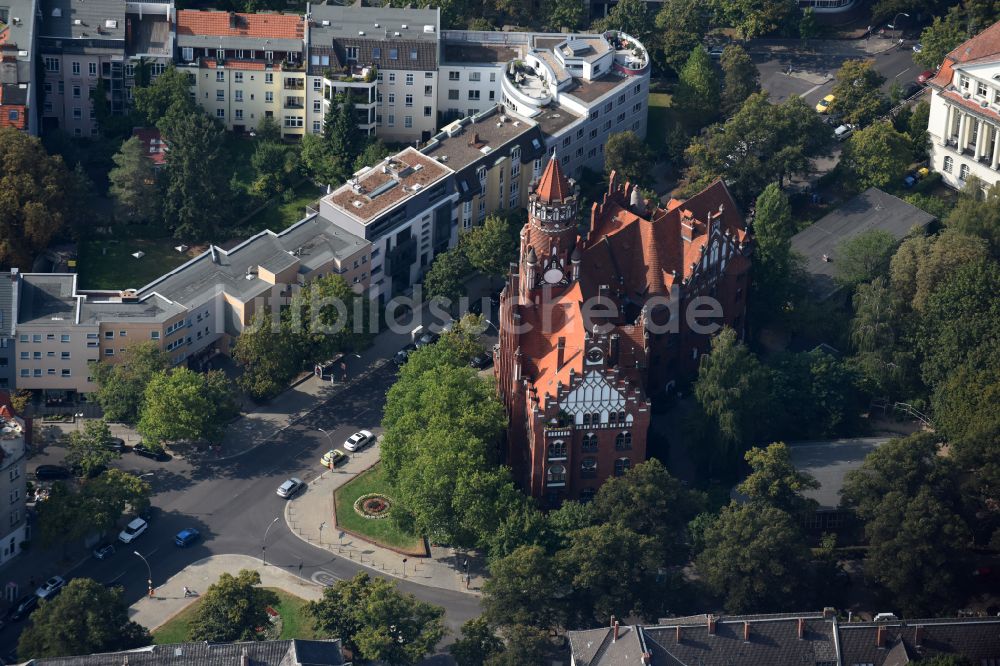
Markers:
970,105
274,26
553,185
985,45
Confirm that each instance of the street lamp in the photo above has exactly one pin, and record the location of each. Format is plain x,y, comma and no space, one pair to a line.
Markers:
263,542
493,325
328,436
321,526
149,572
892,26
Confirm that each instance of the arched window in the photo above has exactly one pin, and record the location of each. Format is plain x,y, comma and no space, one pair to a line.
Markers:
556,474
595,418
612,418
588,468
621,417
621,466
557,449
589,442
586,418
623,441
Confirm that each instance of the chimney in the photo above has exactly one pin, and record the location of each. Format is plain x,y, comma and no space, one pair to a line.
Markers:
614,636
746,632
880,637
612,623
802,628
829,612
560,352
245,658
918,636
125,661
711,625
680,634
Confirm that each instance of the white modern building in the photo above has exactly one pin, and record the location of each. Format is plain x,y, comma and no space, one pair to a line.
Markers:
964,124
578,88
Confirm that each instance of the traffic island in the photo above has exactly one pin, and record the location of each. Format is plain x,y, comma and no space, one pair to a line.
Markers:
363,508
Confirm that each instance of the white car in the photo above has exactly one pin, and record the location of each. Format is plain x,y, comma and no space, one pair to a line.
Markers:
359,440
133,530
290,487
50,587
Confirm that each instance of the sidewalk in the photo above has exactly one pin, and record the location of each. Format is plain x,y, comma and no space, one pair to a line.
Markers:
795,47
152,612
310,518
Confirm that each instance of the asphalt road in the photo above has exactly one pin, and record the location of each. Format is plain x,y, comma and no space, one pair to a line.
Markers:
232,504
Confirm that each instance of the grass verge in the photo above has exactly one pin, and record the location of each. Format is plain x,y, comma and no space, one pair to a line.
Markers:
383,532
295,623
660,119
284,214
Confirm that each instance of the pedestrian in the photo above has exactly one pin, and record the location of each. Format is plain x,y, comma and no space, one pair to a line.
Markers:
187,592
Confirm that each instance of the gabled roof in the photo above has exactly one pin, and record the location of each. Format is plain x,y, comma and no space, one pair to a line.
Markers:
985,45
254,653
599,646
231,24
553,185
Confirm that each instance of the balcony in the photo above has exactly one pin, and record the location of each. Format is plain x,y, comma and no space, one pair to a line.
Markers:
352,74
295,103
631,57
295,84
525,85
292,66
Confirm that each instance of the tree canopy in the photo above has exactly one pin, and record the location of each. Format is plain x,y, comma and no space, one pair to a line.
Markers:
89,449
698,94
877,156
36,204
122,385
755,18
491,247
85,618
864,257
183,405
233,608
135,183
740,77
858,94
69,516
626,154
774,480
270,356
377,622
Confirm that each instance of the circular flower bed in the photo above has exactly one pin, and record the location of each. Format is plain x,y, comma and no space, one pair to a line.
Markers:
374,506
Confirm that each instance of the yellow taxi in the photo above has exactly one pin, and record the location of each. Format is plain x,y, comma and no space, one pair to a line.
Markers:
332,458
823,106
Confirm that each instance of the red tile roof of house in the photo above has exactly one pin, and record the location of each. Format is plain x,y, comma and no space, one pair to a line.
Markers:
985,45
553,185
21,120
274,26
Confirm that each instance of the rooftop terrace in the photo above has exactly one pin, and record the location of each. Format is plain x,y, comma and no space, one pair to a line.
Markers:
466,141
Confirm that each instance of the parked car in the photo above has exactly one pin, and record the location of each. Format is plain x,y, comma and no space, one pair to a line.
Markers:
481,360
843,132
427,338
333,457
51,472
104,551
914,177
823,106
716,51
290,487
359,440
145,451
133,530
23,607
925,76
403,355
50,588
115,444
910,89
186,537
918,47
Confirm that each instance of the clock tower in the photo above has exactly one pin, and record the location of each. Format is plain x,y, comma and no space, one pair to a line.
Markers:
549,240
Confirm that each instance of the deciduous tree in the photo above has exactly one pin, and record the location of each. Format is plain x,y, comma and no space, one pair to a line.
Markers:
698,94
681,24
864,257
477,644
630,16
183,405
978,213
68,516
561,14
774,480
269,355
36,203
327,317
525,588
740,77
86,618
755,558
445,277
169,93
877,156
940,38
121,386
135,184
233,608
89,449
627,155
492,246
755,18
377,622
773,226
858,93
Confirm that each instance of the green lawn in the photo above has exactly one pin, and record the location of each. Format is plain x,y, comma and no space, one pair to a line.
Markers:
660,118
384,531
107,262
294,621
281,215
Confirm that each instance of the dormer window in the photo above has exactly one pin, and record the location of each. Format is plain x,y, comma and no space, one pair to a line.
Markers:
981,89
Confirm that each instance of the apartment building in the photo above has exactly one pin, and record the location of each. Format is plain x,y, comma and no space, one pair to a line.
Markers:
8,321
964,123
149,42
578,88
401,45
245,67
81,44
14,432
18,94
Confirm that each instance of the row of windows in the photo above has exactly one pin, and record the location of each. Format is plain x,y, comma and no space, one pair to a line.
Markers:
409,77
38,355
596,418
623,442
588,469
37,372
37,337
949,166
982,90
474,77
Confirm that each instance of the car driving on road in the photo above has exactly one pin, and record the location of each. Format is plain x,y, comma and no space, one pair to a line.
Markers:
104,551
24,606
359,440
50,588
186,537
133,530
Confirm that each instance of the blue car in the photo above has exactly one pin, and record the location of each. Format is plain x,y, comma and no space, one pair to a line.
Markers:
186,537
